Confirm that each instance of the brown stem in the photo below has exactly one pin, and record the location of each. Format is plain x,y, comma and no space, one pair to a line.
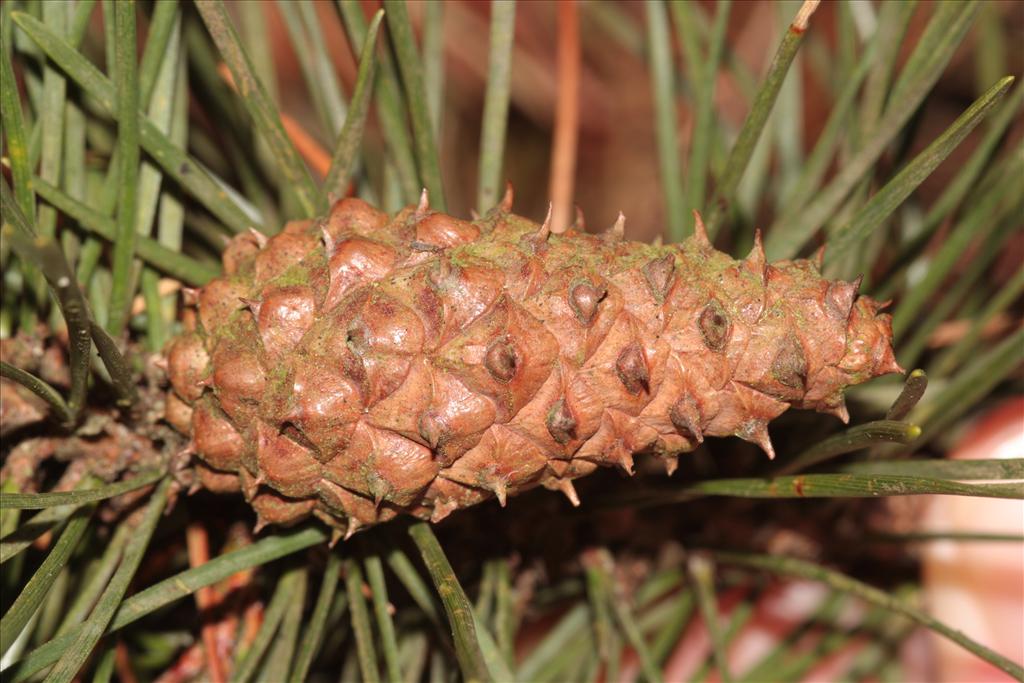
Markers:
567,114
311,151
199,554
123,664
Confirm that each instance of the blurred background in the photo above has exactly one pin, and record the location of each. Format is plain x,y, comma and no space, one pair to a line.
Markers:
550,576
617,152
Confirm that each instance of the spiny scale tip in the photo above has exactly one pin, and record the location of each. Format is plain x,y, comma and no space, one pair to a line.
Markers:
700,231
839,410
617,232
757,433
253,305
671,463
545,229
506,200
566,487
757,252
424,204
500,489
819,258
261,239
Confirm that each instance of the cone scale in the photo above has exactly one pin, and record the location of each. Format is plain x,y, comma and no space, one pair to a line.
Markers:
358,367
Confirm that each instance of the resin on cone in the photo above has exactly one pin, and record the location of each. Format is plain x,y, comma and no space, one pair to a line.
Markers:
357,367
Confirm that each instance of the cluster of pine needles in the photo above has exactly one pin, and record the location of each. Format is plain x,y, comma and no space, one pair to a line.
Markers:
121,185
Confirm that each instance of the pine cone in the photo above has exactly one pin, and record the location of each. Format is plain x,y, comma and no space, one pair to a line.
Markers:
357,367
